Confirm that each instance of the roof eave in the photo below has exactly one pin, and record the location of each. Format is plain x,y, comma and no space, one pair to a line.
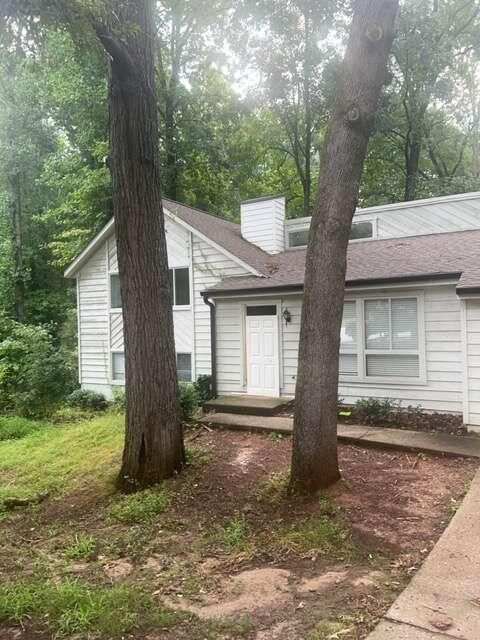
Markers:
349,284
72,270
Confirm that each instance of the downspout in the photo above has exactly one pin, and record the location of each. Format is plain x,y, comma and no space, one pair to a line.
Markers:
213,342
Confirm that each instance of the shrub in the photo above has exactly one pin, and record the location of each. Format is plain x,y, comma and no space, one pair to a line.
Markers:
119,402
204,388
34,375
375,409
14,428
188,401
86,399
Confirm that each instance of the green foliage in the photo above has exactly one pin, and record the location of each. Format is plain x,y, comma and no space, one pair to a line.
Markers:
141,507
197,456
58,458
233,536
82,547
14,427
34,376
325,533
188,401
204,389
375,409
72,608
87,399
274,489
333,630
119,402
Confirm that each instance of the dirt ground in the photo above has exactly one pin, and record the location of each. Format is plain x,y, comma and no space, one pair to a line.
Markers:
229,546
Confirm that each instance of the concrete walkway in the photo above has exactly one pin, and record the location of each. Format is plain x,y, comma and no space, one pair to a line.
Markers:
438,443
443,599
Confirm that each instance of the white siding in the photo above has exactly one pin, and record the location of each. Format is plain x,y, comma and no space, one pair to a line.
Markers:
230,347
443,390
209,267
262,223
472,313
93,321
421,217
102,332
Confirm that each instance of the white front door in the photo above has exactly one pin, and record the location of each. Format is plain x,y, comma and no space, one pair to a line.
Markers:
262,351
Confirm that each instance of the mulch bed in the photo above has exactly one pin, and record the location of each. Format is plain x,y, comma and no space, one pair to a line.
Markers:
409,418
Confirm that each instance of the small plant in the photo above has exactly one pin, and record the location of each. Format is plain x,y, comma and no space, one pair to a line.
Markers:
142,506
14,428
197,456
188,401
72,608
83,547
374,410
87,400
234,535
273,489
204,388
119,403
324,533
333,630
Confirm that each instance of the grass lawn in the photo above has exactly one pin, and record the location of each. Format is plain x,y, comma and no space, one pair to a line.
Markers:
219,552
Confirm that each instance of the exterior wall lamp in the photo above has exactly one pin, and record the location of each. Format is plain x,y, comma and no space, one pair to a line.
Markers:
287,316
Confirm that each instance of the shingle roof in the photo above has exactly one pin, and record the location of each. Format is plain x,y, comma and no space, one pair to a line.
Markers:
223,232
429,256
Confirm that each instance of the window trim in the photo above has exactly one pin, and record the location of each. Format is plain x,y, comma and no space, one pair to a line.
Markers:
362,351
115,381
110,308
184,353
374,221
181,307
301,226
296,230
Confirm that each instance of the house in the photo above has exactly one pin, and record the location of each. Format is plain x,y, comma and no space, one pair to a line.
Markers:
411,322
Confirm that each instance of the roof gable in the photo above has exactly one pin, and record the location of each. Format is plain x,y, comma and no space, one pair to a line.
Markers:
223,234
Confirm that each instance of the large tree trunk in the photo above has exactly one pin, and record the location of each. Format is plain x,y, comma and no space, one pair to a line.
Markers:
314,456
153,440
17,245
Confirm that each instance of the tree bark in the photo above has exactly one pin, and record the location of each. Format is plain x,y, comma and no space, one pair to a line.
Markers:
314,456
17,245
153,440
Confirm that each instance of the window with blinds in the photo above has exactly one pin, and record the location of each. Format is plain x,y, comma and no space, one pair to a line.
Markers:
348,365
392,338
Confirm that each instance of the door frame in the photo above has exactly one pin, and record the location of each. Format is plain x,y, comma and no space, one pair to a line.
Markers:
257,303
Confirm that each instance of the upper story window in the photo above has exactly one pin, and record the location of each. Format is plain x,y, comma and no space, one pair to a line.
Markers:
180,285
115,293
298,238
364,230
179,282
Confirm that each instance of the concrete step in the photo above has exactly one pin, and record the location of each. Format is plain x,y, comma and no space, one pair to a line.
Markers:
246,405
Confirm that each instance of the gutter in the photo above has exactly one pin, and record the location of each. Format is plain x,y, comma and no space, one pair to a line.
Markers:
213,341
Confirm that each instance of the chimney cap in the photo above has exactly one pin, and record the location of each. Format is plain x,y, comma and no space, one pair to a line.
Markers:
252,200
